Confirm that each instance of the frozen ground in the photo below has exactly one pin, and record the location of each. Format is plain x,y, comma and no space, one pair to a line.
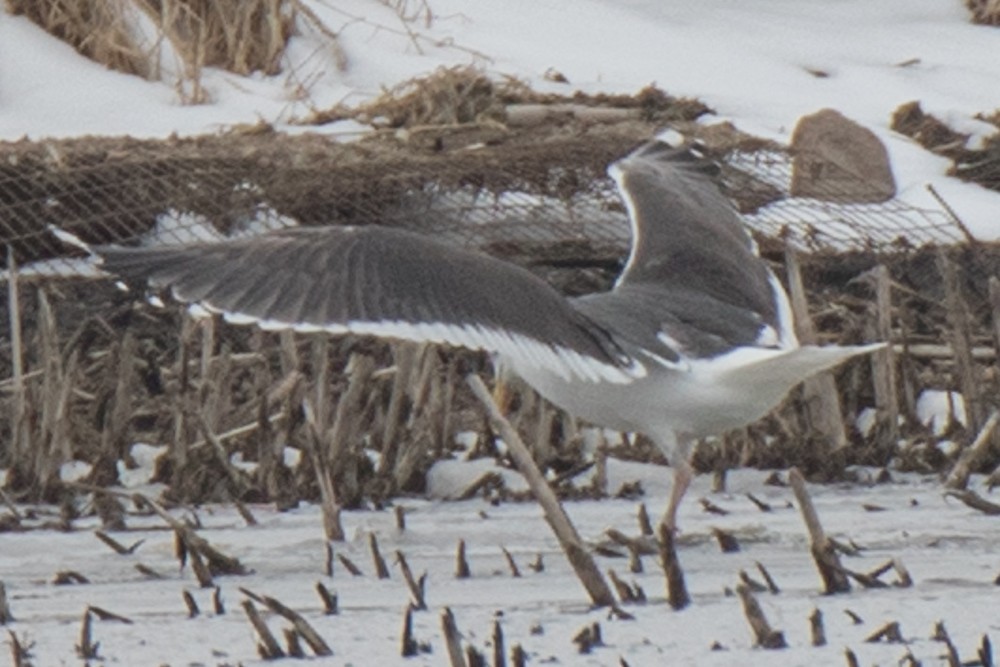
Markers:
949,549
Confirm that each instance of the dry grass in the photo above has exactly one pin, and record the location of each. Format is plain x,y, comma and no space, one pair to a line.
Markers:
98,29
241,36
985,12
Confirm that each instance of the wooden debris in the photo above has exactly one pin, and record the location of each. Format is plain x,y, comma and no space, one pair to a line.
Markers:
20,652
576,552
499,653
329,599
514,570
148,571
65,577
883,361
245,513
400,513
588,638
975,501
349,565
761,505
816,630
852,660
381,569
452,639
889,632
474,657
641,545
771,585
5,615
268,647
727,542
191,604
628,594
827,562
821,399
316,643
985,652
200,569
87,648
292,644
765,636
462,570
754,585
712,508
416,587
105,615
855,619
645,525
961,340
634,561
941,635
217,605
677,594
972,455
409,646
115,545
537,565
518,656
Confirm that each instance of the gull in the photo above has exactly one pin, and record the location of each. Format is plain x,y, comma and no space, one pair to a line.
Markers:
695,337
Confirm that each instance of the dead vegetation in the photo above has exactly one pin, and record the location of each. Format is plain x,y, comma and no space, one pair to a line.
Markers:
239,36
985,12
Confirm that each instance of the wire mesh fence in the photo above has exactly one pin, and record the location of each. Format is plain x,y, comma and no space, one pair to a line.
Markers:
533,201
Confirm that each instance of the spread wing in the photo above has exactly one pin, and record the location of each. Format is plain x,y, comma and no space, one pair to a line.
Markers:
693,259
381,282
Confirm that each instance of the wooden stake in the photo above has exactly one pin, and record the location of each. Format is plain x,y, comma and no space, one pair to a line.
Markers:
461,564
381,569
452,639
511,563
409,644
268,648
972,455
580,559
87,649
961,341
191,604
884,361
645,525
21,433
499,653
823,552
677,594
766,636
330,600
816,630
416,587
5,615
821,399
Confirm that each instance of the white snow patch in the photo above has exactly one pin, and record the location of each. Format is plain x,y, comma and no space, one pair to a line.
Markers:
448,479
936,409
74,471
292,456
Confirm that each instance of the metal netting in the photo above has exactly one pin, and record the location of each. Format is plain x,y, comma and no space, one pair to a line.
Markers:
536,201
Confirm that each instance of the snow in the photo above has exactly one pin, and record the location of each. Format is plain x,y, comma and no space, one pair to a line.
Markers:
761,65
949,549
936,409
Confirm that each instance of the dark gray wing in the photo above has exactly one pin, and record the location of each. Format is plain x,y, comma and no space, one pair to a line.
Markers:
382,282
691,248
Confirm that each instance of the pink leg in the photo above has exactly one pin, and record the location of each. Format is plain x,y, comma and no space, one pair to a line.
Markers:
683,474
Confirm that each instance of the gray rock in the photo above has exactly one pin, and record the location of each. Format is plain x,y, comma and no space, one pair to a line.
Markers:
836,159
